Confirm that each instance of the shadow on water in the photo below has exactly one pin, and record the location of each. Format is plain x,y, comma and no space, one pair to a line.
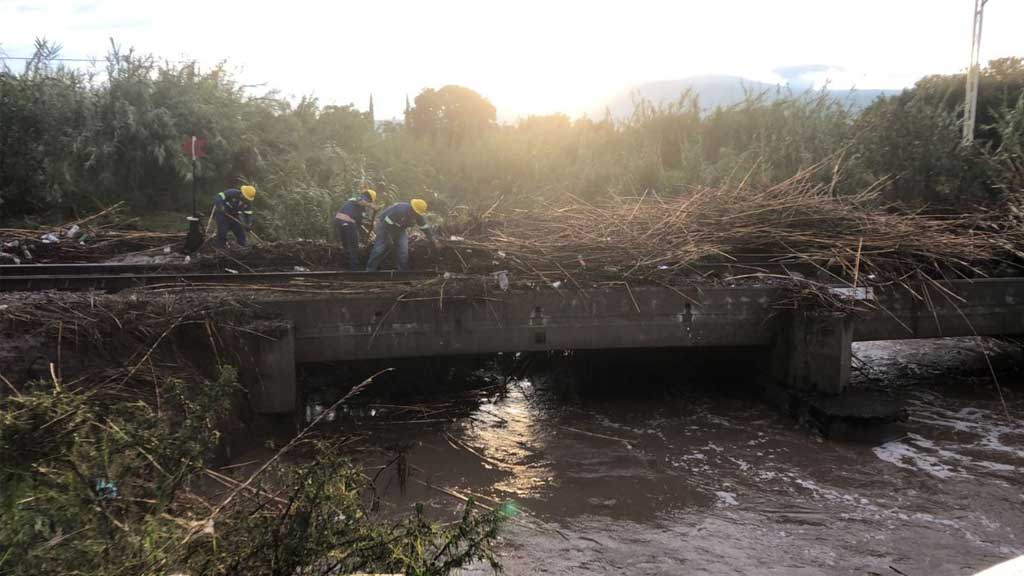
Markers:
591,375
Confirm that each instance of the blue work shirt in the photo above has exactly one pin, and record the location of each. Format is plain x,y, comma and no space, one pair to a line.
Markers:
401,215
232,203
354,210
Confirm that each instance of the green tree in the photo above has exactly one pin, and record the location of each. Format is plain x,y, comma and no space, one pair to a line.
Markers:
453,114
43,112
1000,84
915,137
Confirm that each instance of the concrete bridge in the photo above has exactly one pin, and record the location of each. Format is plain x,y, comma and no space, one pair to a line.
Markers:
810,345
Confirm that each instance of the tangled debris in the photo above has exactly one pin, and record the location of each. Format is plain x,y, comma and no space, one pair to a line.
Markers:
854,239
95,238
788,232
108,444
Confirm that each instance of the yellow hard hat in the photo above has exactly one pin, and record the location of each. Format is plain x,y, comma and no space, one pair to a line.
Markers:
419,206
249,192
372,194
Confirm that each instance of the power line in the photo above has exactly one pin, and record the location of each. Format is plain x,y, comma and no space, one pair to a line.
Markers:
25,58
89,60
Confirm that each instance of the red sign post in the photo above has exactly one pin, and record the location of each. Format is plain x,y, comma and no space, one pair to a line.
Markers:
194,147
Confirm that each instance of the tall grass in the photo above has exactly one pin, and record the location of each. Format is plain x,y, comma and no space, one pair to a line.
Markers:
70,142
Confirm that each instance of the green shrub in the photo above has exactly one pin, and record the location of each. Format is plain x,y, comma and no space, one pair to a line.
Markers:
71,142
96,482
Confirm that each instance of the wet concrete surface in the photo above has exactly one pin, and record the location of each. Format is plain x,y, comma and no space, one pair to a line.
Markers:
714,482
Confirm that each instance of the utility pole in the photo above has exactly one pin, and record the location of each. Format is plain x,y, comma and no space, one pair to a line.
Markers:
971,94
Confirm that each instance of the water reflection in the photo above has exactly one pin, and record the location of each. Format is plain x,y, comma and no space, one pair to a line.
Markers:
706,482
508,433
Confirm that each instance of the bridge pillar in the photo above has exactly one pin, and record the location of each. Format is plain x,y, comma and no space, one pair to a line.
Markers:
267,368
812,351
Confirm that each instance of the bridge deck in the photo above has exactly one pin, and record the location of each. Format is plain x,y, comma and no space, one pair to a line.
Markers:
810,349
364,327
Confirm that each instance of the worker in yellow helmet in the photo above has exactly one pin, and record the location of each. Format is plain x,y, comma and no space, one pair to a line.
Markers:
232,209
392,232
348,220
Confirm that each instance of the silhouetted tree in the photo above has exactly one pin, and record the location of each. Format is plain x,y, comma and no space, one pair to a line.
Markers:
453,113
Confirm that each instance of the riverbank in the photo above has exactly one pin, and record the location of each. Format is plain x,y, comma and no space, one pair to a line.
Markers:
113,414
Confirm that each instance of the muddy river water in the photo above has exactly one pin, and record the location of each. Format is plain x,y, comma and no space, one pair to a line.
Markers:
724,483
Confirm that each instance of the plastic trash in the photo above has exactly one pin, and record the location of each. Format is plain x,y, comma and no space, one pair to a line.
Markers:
300,269
50,239
73,231
863,293
503,280
105,489
457,239
167,249
556,284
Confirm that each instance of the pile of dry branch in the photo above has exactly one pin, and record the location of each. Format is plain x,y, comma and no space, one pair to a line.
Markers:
95,238
852,239
855,240
100,335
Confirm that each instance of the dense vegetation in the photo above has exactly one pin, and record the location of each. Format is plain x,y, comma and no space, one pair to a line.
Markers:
71,141
94,484
111,468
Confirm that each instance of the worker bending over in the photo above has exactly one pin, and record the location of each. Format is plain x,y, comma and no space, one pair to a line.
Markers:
232,209
349,220
392,232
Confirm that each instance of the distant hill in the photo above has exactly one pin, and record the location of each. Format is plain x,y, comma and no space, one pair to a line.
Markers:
715,91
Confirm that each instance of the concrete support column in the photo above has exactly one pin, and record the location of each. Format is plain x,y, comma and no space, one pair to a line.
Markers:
813,352
267,369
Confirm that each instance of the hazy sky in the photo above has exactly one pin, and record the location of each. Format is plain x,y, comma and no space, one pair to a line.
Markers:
527,56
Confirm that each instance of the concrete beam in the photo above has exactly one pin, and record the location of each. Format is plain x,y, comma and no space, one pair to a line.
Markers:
813,352
981,307
366,327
